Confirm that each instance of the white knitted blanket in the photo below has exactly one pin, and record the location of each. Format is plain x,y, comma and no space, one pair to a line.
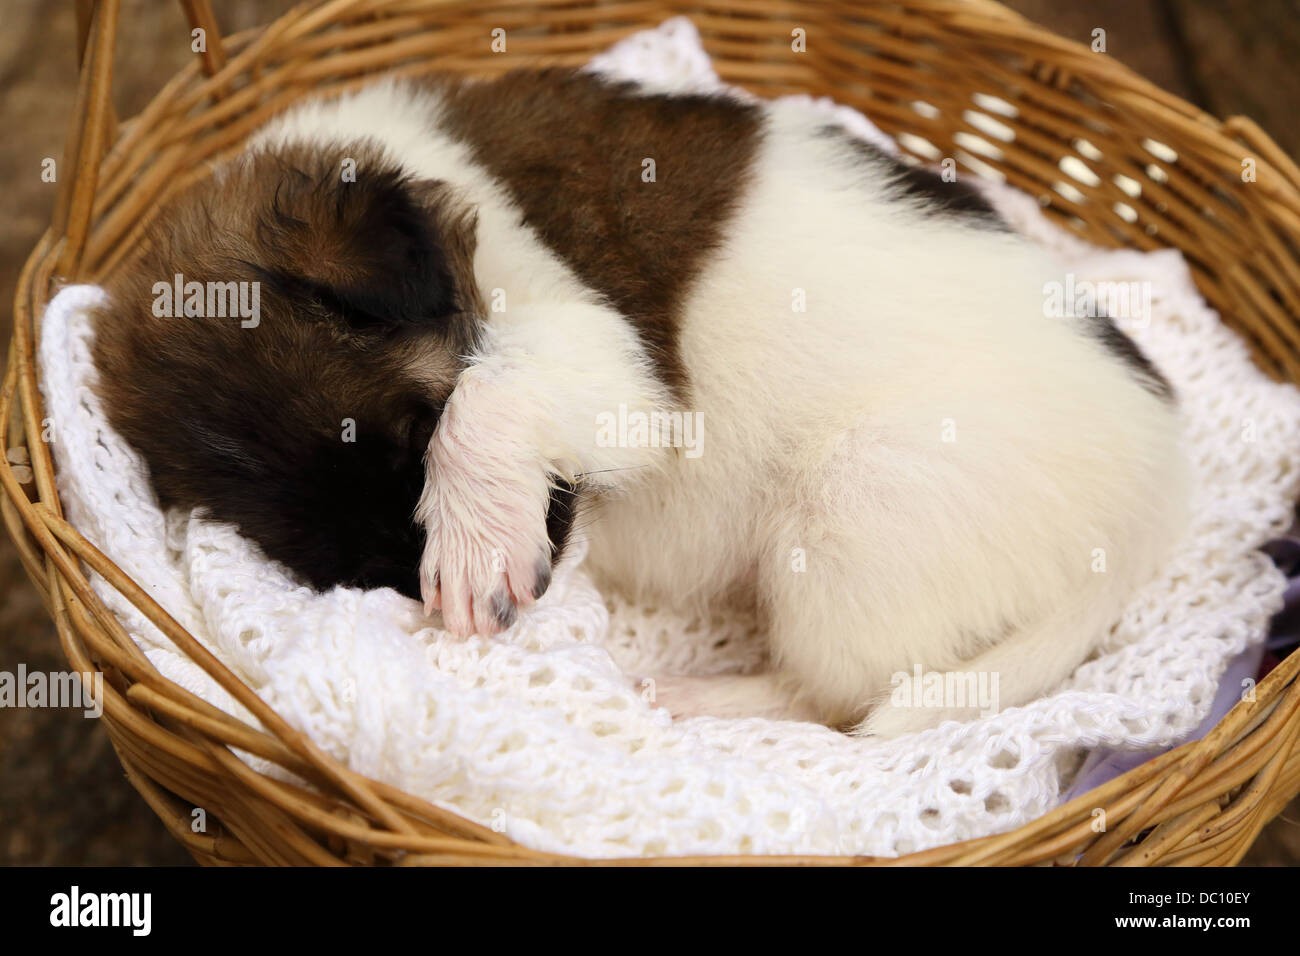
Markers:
543,733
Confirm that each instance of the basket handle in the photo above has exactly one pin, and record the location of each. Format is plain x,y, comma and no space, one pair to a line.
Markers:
94,123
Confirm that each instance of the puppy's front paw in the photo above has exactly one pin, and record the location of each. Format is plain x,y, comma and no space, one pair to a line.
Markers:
486,550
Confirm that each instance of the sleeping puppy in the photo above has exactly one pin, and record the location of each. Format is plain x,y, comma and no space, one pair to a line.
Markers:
765,361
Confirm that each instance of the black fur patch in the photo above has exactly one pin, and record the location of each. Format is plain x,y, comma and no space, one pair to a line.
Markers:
335,511
957,198
560,513
1104,330
934,195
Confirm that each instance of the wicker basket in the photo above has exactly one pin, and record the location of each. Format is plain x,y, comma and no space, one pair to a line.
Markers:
1200,804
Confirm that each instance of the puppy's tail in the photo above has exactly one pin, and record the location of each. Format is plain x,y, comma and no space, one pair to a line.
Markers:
1025,665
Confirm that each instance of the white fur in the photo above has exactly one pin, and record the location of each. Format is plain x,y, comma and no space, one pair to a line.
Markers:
827,490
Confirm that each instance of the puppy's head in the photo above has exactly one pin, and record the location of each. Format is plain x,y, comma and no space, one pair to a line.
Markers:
280,351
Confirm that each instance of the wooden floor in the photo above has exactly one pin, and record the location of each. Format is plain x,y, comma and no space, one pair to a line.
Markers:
63,798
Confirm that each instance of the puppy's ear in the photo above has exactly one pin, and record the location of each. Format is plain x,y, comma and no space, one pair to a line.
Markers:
380,250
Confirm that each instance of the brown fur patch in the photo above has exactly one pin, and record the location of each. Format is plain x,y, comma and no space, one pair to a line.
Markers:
570,146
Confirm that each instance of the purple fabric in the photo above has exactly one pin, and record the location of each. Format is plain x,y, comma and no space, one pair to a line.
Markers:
1286,625
1103,765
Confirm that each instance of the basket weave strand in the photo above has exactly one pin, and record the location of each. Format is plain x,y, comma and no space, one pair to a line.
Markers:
961,78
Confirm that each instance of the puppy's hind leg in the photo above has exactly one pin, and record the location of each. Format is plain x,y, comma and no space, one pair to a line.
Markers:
917,669
895,558
992,610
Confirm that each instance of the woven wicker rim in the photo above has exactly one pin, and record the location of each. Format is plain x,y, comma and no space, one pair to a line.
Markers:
1202,804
